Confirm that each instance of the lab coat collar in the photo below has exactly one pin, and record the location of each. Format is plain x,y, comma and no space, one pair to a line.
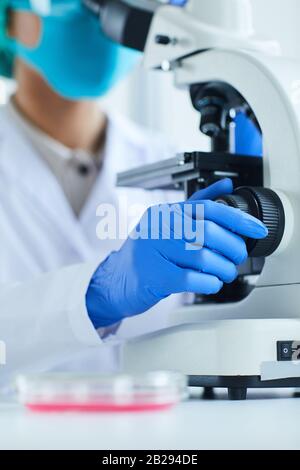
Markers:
22,167
123,150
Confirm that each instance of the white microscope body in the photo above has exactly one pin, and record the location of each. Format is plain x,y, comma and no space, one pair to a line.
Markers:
235,345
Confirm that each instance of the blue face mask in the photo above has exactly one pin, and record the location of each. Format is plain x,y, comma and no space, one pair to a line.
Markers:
73,55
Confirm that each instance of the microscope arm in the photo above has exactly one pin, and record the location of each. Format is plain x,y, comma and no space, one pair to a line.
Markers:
201,26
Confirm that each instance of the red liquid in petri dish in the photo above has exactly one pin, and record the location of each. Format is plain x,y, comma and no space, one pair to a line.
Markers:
97,407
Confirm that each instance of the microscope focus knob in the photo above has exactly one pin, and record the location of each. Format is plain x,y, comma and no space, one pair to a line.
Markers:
265,205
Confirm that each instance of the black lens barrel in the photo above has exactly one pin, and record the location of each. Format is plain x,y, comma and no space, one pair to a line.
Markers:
122,22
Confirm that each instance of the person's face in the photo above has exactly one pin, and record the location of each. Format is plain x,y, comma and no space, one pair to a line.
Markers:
25,27
70,52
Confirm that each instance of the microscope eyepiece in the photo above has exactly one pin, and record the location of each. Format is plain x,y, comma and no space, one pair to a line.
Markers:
122,22
265,205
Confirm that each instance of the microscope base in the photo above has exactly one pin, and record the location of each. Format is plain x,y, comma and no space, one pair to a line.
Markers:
234,354
237,386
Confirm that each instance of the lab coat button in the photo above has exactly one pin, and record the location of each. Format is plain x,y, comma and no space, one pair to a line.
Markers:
83,169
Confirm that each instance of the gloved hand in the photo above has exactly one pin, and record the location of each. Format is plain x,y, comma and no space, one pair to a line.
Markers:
145,271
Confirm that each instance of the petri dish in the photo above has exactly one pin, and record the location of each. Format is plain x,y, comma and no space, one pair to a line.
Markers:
154,391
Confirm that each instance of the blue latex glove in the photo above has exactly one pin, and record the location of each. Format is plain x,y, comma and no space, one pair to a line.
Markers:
145,271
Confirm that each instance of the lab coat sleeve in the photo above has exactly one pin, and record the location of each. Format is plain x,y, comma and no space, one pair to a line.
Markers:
45,321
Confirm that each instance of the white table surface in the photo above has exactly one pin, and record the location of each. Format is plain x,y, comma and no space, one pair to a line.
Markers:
267,420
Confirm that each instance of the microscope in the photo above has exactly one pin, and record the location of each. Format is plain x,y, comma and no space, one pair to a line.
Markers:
247,336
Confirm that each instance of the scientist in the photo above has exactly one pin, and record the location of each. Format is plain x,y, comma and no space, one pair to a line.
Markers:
62,290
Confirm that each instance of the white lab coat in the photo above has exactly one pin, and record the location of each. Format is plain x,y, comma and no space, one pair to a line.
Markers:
47,255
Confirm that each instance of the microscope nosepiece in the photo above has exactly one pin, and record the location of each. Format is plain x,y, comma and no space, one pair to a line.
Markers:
265,205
